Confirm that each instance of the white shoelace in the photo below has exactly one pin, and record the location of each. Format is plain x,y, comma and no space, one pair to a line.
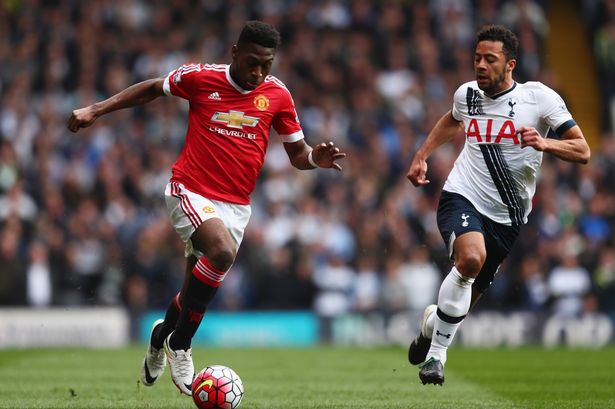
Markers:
183,363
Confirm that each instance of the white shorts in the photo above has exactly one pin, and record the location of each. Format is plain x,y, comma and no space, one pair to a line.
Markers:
188,210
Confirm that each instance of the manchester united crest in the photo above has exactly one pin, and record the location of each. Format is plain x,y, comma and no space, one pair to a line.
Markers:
261,102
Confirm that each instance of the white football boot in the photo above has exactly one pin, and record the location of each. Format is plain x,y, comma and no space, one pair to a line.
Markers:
417,352
181,365
154,361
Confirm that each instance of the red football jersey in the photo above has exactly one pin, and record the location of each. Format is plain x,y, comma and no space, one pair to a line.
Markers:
228,129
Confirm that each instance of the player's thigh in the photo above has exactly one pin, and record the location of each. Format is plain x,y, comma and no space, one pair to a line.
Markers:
469,251
461,227
208,227
499,241
212,238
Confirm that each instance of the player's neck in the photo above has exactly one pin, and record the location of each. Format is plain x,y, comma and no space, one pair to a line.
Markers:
506,85
232,74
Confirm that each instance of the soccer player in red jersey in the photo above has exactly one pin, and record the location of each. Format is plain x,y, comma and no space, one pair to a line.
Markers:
232,108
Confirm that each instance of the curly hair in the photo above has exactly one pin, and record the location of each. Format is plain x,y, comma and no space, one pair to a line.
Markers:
257,32
510,43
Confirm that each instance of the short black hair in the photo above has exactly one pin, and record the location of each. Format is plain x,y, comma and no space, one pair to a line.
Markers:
510,43
260,33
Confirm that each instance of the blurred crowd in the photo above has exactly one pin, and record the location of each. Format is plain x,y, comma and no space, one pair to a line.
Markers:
599,17
82,218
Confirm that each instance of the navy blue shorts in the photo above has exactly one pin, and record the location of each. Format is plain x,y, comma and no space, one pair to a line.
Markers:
456,216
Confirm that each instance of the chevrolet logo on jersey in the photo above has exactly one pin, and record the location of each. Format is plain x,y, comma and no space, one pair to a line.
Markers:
235,119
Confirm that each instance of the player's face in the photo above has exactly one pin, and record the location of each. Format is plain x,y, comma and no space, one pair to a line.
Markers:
251,64
493,71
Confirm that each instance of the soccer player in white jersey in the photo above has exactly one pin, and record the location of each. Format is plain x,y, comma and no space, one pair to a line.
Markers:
487,196
232,110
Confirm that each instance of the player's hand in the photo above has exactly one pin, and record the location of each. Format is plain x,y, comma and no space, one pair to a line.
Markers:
530,137
326,154
417,172
81,118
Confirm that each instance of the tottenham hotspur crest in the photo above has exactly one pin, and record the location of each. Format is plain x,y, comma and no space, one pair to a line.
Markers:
511,104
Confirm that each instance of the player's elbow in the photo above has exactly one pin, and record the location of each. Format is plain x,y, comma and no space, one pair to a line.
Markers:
585,156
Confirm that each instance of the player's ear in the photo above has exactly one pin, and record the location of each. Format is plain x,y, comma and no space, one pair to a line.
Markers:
511,64
234,50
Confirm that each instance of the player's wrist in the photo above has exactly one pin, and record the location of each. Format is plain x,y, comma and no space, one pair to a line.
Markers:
311,160
98,109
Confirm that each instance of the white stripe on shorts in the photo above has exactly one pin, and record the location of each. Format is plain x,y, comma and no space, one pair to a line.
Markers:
186,205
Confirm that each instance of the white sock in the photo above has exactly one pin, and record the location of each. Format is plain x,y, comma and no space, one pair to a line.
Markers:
454,301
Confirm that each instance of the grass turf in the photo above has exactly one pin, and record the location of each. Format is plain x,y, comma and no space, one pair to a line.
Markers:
324,377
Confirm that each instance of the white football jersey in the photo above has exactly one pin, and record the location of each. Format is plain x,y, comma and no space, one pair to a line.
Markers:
492,171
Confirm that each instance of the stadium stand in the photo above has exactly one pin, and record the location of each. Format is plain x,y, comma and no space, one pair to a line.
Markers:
81,217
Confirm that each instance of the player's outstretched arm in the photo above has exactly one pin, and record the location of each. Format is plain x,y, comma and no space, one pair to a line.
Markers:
323,155
444,130
137,94
571,147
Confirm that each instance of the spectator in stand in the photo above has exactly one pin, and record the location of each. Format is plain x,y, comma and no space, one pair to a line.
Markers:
604,279
38,277
568,282
420,278
12,291
335,283
534,290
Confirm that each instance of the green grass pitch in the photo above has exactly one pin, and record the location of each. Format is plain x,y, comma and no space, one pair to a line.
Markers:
324,377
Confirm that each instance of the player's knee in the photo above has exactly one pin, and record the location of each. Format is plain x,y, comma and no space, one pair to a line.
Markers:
221,258
470,264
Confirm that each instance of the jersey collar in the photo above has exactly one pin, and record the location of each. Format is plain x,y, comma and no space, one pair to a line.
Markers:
499,94
233,83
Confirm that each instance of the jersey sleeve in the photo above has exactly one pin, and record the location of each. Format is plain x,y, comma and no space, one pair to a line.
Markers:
182,82
456,110
286,122
554,111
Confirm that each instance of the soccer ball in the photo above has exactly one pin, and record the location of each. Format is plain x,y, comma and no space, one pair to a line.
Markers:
217,387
